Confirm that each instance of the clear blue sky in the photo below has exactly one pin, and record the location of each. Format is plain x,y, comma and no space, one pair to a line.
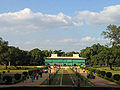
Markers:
69,25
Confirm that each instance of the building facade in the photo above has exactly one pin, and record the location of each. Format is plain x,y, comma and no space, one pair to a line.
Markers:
65,61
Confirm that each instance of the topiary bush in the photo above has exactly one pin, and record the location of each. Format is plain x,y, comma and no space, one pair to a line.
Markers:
17,76
25,73
108,74
7,79
3,72
116,77
97,71
92,70
102,73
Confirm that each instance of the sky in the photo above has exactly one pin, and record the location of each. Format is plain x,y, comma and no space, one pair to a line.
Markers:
68,25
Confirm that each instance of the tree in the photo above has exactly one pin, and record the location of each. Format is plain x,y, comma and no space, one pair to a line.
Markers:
113,33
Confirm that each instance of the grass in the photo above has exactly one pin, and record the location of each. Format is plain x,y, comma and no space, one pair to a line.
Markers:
13,70
107,69
14,67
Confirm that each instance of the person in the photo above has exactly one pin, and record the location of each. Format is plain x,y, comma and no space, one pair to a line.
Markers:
40,73
50,70
83,70
78,83
0,75
94,75
73,85
91,75
37,76
34,75
29,79
88,75
23,78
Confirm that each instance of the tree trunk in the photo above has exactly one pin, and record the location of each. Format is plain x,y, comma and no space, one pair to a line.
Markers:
111,67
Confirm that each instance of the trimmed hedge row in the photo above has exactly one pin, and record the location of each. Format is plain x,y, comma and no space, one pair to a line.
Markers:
107,75
15,78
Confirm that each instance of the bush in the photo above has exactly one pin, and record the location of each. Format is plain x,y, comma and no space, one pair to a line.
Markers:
25,73
7,79
102,73
118,82
116,77
30,72
17,76
92,70
8,71
108,74
97,71
3,72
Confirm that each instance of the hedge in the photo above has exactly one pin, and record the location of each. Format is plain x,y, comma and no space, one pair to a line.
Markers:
109,74
116,77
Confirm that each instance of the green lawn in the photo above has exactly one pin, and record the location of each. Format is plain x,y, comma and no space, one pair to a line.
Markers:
107,69
14,71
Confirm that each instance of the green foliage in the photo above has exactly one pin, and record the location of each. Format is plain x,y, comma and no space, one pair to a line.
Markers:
17,76
113,33
108,74
97,71
7,79
116,77
102,73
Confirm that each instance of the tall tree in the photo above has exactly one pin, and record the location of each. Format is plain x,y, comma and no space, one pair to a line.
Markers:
113,33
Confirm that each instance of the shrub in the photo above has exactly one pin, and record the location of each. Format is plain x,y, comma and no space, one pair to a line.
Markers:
3,72
92,70
8,71
97,71
108,74
17,76
7,79
25,73
30,72
118,82
102,73
116,77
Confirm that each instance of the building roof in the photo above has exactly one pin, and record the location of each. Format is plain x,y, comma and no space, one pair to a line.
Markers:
65,58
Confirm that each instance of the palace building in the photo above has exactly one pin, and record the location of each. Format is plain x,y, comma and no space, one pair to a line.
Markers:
65,61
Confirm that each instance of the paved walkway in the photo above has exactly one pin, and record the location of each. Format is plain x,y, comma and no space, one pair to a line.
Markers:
98,81
35,83
26,83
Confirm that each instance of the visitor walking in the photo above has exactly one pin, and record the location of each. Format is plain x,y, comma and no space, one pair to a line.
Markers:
88,75
29,79
83,70
0,75
40,73
37,75
50,70
32,77
23,78
94,75
78,83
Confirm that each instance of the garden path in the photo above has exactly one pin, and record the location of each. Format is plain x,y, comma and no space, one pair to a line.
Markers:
35,83
98,81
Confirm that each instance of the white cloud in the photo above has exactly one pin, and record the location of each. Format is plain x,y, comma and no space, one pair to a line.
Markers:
67,40
27,20
109,15
93,39
61,44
